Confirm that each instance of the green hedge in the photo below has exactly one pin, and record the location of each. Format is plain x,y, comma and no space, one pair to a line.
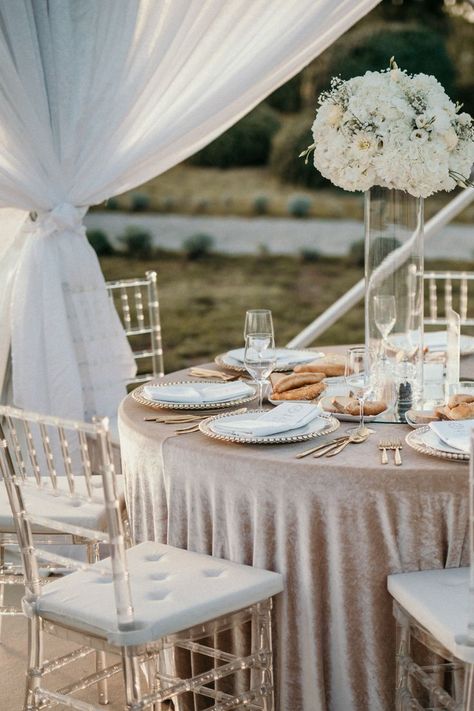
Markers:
288,97
288,143
415,49
246,143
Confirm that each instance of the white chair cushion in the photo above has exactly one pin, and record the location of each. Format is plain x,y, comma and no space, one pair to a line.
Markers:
172,590
439,601
61,508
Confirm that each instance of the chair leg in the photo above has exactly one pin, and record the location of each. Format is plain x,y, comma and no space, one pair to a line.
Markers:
100,664
35,663
93,555
469,688
2,585
131,673
403,649
262,643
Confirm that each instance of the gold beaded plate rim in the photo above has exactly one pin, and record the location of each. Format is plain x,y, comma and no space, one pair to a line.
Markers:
137,395
412,441
220,360
332,425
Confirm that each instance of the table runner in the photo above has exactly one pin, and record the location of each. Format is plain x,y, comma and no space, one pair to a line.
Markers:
334,527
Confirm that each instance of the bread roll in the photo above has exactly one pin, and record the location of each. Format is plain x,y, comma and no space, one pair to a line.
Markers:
370,408
455,400
289,382
330,370
308,392
463,411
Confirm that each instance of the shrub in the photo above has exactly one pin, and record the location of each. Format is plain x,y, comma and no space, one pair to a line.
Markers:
260,205
139,202
287,97
198,246
379,249
288,143
416,49
307,254
246,143
100,243
138,242
112,204
299,205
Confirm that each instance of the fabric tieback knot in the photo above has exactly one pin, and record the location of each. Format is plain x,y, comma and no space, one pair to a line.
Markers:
63,218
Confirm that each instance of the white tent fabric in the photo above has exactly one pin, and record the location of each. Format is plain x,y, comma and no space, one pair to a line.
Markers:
96,98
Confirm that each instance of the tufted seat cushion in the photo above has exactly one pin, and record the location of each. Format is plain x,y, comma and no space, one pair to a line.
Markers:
172,589
61,508
439,602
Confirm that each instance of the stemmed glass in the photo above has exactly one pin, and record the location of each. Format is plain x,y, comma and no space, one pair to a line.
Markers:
258,321
385,316
260,359
358,380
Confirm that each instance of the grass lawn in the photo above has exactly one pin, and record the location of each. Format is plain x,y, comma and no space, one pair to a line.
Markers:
203,303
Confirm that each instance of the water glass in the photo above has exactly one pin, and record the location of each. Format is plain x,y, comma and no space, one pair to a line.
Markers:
358,381
258,321
260,359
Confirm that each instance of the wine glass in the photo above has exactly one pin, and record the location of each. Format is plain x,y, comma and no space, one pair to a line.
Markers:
260,359
258,321
385,316
358,381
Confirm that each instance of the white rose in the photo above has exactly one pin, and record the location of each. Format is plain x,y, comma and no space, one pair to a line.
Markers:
422,120
450,138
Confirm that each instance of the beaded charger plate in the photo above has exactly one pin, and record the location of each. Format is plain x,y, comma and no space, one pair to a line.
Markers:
224,360
425,441
139,395
298,435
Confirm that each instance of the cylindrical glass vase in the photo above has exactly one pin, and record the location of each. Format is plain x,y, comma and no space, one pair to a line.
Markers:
394,295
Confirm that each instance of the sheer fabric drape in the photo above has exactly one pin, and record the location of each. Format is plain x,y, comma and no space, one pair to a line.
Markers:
96,98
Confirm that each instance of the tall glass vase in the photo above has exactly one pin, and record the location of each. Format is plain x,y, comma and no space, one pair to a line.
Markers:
394,295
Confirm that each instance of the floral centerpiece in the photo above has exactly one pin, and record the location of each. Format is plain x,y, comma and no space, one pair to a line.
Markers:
392,129
399,138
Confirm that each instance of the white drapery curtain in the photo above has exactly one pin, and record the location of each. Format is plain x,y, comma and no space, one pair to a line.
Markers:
96,97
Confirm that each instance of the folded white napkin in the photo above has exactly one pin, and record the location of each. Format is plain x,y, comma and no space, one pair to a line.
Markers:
283,418
199,393
456,434
284,356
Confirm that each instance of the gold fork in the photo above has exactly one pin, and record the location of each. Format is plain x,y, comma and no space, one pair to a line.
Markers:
384,444
396,446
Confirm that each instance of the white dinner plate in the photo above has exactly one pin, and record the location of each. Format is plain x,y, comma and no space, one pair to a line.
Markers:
226,360
424,440
318,427
139,395
325,403
439,340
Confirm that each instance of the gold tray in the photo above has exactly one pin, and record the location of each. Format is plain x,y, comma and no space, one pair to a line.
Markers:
284,438
411,440
138,395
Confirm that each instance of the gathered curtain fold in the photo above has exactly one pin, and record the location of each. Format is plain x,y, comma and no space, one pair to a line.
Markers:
95,99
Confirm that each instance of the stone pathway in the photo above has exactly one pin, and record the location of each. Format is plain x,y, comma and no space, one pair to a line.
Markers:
238,235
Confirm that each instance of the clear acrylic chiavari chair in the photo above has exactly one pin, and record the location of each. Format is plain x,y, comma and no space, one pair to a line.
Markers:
139,608
447,290
434,613
136,301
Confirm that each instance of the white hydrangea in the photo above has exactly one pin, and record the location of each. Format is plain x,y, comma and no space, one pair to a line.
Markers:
392,129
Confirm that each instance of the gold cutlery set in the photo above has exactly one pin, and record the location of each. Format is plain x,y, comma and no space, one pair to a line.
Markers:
394,445
334,446
191,420
208,373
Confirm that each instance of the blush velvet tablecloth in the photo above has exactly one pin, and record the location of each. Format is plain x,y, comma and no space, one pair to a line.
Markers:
335,528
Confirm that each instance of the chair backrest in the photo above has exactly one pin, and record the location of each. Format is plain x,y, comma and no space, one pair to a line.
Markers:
136,301
447,290
38,458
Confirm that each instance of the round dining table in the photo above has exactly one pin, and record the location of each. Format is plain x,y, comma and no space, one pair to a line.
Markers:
334,527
